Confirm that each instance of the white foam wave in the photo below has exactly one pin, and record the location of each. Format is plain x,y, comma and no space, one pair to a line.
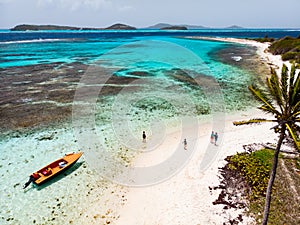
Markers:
29,41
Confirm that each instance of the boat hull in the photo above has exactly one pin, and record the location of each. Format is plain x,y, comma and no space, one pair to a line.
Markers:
55,168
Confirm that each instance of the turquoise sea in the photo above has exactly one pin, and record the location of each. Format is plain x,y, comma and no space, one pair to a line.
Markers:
29,48
134,52
126,80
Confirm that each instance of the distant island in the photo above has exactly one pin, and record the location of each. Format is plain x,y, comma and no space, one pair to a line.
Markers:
29,27
234,27
174,28
24,27
166,25
117,26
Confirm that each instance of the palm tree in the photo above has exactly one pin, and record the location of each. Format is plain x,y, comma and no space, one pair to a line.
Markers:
281,98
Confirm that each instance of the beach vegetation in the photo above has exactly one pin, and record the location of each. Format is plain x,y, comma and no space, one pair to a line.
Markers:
255,167
264,39
251,165
288,48
280,98
289,56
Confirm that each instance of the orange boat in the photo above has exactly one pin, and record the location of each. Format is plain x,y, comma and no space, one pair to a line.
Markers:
53,169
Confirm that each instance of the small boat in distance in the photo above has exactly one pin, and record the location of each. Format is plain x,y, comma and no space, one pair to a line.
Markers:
53,169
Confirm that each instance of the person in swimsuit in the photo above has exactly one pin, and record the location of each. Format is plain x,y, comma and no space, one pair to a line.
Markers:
216,138
185,144
144,136
212,137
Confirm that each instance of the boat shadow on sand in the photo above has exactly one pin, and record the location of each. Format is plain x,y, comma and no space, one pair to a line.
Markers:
58,177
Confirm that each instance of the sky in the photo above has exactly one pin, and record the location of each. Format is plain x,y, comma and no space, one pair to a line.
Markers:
144,13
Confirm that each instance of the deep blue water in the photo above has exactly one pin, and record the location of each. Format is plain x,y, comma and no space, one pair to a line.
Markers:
241,33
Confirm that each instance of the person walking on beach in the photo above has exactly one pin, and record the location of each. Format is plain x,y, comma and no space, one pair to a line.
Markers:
185,144
144,136
216,138
212,137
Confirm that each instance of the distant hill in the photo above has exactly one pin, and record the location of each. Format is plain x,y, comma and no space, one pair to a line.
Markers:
24,27
166,25
174,28
189,27
195,27
234,27
158,26
119,26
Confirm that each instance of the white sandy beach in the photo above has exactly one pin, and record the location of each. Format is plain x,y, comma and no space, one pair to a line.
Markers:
268,58
186,198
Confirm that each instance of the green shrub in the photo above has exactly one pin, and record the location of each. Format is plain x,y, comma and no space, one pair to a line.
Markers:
255,167
265,39
284,45
288,48
289,56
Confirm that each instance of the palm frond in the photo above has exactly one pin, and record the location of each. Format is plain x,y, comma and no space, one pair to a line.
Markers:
296,126
296,113
260,96
267,109
274,88
296,90
295,107
284,82
293,134
252,121
291,86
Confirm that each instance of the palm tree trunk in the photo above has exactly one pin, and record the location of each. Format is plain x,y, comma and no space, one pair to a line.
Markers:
272,176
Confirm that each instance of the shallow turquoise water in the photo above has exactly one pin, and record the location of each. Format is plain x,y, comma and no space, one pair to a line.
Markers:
165,93
86,50
154,55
